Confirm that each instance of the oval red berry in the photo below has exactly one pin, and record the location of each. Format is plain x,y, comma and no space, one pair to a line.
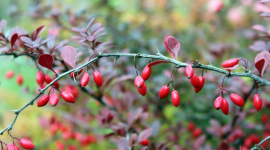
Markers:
164,91
27,144
85,79
138,82
53,99
43,100
189,71
230,63
142,90
195,81
97,78
257,102
218,103
175,98
67,97
225,107
146,73
237,100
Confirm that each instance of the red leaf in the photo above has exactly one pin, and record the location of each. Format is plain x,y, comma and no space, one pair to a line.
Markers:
122,144
157,62
37,32
145,134
46,60
261,61
13,39
172,45
69,55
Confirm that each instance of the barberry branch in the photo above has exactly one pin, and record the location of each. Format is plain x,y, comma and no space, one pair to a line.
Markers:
158,56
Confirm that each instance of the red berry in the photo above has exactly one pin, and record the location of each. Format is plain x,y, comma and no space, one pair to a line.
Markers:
74,75
189,71
195,81
191,126
97,78
237,100
218,103
264,118
40,78
139,82
73,90
12,146
145,142
67,97
27,144
164,91
85,79
175,98
53,99
142,90
197,132
225,107
43,100
201,78
9,74
230,63
257,102
48,79
19,79
146,72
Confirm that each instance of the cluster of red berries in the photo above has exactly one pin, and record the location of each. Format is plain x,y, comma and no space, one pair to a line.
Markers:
69,134
19,78
24,143
85,78
196,132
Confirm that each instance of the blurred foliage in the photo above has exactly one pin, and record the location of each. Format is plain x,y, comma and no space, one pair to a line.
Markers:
138,26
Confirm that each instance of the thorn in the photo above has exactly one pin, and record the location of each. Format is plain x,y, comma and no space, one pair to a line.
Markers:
157,50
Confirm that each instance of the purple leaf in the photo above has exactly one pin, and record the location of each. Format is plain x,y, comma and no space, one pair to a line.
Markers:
76,29
258,46
89,24
265,14
46,60
50,44
133,138
69,55
62,43
198,143
98,30
45,41
122,144
260,62
26,40
172,46
264,1
3,24
13,39
95,27
145,134
260,28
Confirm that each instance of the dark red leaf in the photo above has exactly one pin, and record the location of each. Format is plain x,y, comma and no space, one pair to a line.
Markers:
122,144
260,61
172,45
157,62
69,55
145,134
46,60
13,39
37,32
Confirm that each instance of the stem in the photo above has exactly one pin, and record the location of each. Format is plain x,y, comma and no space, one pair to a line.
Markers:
178,64
246,63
